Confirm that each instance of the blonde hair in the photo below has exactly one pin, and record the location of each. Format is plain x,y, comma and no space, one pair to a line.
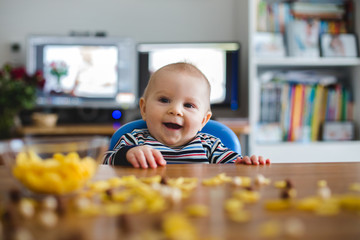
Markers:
178,67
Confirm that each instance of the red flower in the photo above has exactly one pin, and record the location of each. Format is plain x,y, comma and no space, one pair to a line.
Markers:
18,73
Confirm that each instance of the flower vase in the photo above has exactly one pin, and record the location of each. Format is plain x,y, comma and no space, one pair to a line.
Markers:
57,87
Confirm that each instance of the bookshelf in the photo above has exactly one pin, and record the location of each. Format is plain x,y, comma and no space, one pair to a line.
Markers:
300,151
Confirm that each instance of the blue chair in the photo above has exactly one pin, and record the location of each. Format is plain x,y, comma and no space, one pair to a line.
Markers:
217,129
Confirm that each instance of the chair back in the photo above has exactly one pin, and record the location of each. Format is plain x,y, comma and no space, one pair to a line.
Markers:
217,129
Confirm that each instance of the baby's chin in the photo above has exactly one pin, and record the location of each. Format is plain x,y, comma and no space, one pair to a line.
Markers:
174,143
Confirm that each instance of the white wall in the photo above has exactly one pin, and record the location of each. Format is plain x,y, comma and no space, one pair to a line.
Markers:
143,20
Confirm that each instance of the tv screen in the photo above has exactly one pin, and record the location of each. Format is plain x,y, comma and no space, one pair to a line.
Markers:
218,61
85,71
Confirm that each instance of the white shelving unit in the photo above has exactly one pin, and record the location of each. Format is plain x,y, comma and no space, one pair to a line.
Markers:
286,152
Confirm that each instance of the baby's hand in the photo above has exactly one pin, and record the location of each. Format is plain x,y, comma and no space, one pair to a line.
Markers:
145,156
252,160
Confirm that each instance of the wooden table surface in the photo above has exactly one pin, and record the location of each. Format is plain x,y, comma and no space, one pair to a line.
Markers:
304,176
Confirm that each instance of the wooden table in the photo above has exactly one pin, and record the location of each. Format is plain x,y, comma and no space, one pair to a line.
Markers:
345,225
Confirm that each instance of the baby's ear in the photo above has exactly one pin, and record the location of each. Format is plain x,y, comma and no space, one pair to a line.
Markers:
142,106
206,119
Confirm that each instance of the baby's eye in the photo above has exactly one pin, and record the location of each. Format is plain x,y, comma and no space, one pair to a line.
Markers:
164,100
189,105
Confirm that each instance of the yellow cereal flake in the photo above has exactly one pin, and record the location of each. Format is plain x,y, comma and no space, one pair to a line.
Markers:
113,209
177,226
280,184
156,205
122,196
149,180
197,210
99,186
309,203
328,208
183,183
355,187
217,180
260,180
247,196
233,205
270,229
350,202
278,205
322,183
115,182
240,216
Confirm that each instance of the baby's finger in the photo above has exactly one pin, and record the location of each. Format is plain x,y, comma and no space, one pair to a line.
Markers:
254,160
150,158
246,160
140,158
132,160
158,157
261,160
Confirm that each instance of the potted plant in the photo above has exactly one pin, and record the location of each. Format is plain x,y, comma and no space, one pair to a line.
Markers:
17,92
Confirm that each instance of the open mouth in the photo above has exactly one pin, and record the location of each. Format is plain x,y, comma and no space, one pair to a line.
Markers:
172,126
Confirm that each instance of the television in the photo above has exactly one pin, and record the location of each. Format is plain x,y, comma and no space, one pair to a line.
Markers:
219,61
85,71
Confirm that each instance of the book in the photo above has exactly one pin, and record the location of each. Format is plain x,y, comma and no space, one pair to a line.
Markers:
316,113
318,10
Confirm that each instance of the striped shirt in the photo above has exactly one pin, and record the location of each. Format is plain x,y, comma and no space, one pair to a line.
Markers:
204,148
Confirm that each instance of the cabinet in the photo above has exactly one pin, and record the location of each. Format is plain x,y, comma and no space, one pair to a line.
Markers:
313,151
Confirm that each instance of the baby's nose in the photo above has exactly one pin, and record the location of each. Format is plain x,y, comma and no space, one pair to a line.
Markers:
175,109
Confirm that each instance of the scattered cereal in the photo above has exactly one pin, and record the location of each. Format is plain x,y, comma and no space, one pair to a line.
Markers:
27,207
178,226
48,218
270,229
324,192
247,196
49,202
240,216
354,187
197,210
322,183
280,184
217,180
57,175
278,205
260,180
233,205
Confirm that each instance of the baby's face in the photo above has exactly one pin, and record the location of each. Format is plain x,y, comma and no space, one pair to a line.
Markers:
176,107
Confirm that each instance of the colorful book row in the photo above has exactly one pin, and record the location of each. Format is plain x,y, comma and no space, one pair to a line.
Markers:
334,17
301,109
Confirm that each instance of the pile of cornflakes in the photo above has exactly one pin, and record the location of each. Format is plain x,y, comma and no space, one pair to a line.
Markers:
60,174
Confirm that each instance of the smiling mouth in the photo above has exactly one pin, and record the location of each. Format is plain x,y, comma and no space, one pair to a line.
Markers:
172,126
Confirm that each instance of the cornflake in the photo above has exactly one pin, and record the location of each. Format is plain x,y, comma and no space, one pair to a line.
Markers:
178,226
247,196
240,216
278,205
270,229
217,180
48,218
197,210
233,205
260,180
354,187
27,207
